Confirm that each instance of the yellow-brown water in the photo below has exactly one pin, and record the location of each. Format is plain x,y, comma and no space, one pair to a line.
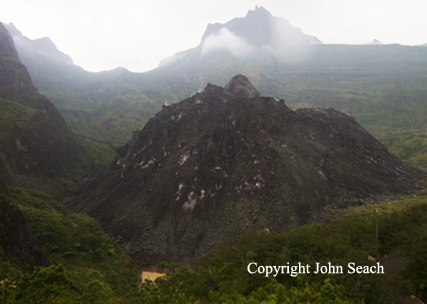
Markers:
150,275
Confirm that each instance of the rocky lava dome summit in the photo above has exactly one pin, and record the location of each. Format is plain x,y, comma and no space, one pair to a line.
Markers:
227,161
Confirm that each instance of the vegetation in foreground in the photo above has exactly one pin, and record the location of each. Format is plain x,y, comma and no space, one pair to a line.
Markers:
400,244
87,267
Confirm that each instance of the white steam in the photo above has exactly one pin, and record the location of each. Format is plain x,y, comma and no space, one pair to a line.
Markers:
226,40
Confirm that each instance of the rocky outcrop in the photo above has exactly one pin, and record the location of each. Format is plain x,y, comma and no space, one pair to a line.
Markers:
227,161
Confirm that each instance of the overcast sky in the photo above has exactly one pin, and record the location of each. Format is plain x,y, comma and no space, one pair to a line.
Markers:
137,34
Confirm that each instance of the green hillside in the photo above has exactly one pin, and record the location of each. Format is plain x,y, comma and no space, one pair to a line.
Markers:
87,266
400,246
18,165
105,107
383,87
37,148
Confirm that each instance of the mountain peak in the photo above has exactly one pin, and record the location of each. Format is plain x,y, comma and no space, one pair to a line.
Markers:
259,11
260,28
376,42
240,86
40,48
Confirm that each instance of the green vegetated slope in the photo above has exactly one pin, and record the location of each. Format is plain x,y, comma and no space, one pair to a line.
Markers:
28,161
37,148
86,265
105,107
384,87
400,245
19,250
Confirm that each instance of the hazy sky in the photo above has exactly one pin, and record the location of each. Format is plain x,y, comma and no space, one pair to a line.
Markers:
137,34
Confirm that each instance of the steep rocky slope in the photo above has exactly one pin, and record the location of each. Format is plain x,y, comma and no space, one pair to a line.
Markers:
226,161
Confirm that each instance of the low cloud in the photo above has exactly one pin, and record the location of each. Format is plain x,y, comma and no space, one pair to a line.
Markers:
224,40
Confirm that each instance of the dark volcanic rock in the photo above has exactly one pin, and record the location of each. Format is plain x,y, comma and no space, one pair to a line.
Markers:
240,86
16,238
217,164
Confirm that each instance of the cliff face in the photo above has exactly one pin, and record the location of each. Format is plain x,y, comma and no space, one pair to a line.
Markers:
226,161
35,138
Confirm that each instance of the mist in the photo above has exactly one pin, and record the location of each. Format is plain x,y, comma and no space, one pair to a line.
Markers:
289,43
226,40
286,43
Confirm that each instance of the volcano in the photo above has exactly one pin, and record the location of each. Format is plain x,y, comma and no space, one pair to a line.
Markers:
228,161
